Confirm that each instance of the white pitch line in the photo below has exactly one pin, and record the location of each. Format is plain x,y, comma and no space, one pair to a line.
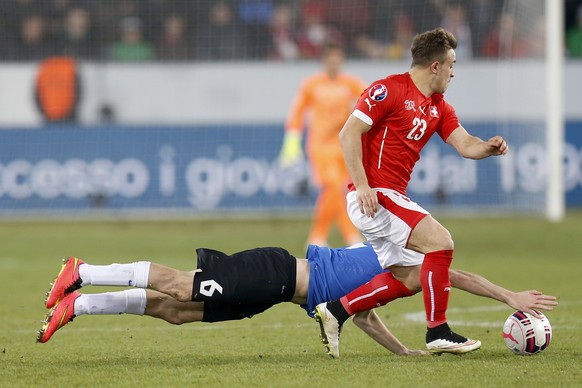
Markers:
420,317
193,326
416,317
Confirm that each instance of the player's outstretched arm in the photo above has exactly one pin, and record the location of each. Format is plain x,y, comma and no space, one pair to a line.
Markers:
372,325
471,147
526,301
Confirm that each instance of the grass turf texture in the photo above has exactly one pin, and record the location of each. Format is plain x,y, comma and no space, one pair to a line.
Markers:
281,347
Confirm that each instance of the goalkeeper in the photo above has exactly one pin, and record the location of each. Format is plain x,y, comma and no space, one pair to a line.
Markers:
231,287
324,100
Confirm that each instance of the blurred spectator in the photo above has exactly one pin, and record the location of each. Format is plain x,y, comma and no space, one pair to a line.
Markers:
153,14
33,44
282,28
426,13
57,89
383,13
175,43
255,16
574,36
220,38
396,48
8,45
12,12
55,12
156,13
536,42
504,40
399,47
483,14
455,20
24,7
351,17
315,32
108,15
76,38
271,29
369,48
132,46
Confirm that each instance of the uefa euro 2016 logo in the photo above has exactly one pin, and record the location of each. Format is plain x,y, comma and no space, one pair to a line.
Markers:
378,92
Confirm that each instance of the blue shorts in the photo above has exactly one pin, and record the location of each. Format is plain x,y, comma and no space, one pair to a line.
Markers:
335,272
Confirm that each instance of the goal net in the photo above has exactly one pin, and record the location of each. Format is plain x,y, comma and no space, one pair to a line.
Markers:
176,108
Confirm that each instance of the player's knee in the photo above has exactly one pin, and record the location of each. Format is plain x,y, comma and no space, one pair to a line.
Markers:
177,321
444,241
181,288
411,281
429,236
413,285
448,244
178,291
181,294
174,318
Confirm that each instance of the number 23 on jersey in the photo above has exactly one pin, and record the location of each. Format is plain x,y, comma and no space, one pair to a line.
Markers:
418,129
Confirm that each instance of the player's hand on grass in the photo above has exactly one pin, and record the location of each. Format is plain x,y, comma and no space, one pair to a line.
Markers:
530,301
414,353
497,146
367,200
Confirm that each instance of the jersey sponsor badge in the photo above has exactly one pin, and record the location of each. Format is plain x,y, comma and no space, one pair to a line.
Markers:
378,92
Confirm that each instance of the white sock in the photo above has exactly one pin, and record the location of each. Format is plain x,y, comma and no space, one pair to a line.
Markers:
132,274
120,302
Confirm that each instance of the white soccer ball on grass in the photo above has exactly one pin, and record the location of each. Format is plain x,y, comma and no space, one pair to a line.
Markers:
526,335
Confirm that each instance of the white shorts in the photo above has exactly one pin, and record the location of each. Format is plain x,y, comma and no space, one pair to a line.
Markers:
388,232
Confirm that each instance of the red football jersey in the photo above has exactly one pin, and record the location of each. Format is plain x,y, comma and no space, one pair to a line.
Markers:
403,120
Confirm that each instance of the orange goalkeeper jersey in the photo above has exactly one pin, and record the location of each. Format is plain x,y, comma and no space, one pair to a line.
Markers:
323,105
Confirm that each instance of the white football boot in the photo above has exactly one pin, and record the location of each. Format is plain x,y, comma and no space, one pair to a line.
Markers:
330,329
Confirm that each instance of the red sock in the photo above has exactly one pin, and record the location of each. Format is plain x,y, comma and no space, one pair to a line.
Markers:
382,289
436,286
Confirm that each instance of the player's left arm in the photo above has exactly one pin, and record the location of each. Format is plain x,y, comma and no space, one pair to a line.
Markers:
526,301
472,147
372,325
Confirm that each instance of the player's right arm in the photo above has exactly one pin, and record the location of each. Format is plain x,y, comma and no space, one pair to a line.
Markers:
351,142
526,301
372,325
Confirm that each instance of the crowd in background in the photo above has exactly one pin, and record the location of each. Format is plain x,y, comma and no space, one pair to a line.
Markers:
283,30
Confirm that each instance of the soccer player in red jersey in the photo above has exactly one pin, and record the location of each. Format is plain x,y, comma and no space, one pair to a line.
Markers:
381,141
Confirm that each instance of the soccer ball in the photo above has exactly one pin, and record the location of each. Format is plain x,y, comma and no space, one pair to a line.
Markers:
526,335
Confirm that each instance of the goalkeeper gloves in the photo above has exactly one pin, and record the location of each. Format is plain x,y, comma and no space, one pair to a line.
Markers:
291,152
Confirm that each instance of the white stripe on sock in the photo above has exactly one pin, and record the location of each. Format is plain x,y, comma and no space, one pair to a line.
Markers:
377,290
431,296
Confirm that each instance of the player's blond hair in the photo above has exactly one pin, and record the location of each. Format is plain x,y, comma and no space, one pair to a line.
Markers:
432,46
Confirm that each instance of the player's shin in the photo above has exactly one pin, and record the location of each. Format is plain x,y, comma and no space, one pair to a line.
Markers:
121,302
382,289
132,274
436,286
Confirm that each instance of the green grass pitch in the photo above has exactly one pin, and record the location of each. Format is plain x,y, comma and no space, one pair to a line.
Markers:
281,347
